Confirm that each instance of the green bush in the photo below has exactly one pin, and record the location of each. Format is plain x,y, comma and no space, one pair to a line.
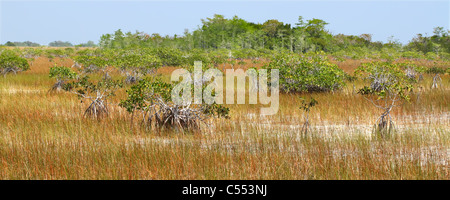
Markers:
169,56
389,86
152,98
385,78
136,63
10,62
61,73
94,60
311,72
435,70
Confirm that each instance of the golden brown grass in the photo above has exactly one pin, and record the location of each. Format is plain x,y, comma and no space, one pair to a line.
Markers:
44,136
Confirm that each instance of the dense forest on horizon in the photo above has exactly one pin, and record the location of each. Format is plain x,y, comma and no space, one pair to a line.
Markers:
304,36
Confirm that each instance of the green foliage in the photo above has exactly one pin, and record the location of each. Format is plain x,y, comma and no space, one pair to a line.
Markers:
31,53
10,62
86,88
235,33
58,52
94,60
62,73
169,56
439,42
389,84
197,55
59,44
350,78
310,72
148,91
245,54
22,44
216,110
251,40
413,55
307,105
366,90
87,44
119,40
145,93
436,70
219,56
10,44
152,97
136,60
387,80
96,93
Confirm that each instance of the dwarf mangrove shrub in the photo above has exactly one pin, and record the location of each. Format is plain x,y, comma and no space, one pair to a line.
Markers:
91,61
306,107
11,62
197,55
169,56
385,76
389,86
152,99
61,74
136,63
96,93
311,72
436,71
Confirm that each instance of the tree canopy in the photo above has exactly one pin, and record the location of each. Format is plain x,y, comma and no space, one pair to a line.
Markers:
236,33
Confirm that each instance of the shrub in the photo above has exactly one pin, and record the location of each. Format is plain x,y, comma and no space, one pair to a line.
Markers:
94,92
169,56
389,85
384,75
152,98
10,62
94,60
435,70
197,55
62,74
136,63
306,107
311,72
437,81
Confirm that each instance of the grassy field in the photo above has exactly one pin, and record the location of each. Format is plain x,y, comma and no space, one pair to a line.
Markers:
45,136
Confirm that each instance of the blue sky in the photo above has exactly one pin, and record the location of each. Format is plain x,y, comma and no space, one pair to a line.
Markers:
80,21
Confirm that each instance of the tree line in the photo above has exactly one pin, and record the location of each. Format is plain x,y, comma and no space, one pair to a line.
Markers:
57,43
219,32
304,36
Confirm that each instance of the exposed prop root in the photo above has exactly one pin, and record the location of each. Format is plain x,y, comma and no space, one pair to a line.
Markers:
97,109
76,65
162,115
384,124
58,86
10,70
437,81
305,127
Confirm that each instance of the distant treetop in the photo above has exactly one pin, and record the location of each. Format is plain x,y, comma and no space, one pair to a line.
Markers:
60,44
22,44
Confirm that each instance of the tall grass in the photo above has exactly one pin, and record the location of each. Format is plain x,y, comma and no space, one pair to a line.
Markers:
45,136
